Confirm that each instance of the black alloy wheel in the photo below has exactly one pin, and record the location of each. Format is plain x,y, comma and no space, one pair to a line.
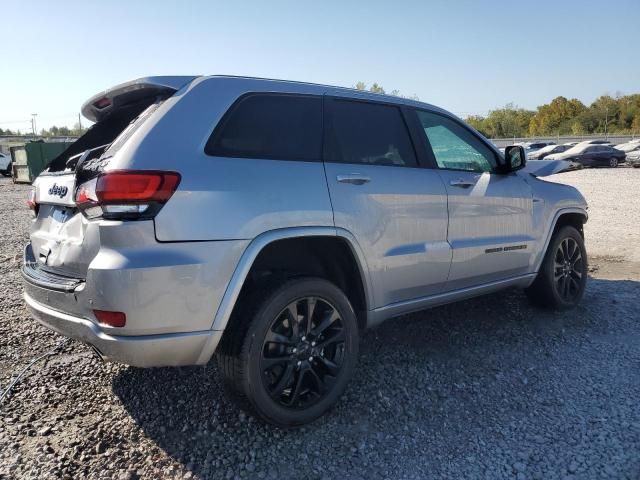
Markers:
562,278
291,350
568,269
303,352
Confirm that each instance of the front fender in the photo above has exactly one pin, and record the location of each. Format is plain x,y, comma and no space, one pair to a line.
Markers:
551,227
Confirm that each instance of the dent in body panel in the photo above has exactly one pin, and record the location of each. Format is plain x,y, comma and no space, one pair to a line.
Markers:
409,249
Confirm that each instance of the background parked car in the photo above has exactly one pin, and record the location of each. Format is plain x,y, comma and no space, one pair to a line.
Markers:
531,147
5,164
590,155
595,142
633,158
548,150
631,146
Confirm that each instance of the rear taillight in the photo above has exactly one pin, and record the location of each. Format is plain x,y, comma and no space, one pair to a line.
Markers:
31,202
110,319
126,194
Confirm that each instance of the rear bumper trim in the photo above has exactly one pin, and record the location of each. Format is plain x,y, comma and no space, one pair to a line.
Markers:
175,349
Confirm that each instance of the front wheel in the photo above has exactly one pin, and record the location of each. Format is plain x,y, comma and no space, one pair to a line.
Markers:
613,162
562,278
295,353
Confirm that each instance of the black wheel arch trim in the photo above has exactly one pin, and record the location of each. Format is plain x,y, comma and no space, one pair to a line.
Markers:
552,227
251,252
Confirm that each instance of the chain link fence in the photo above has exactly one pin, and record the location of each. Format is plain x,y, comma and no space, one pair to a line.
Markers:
559,139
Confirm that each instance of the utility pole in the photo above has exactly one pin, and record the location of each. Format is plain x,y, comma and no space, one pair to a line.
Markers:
33,122
606,119
79,124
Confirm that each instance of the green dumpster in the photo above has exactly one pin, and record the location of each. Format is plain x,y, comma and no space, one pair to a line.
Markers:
32,158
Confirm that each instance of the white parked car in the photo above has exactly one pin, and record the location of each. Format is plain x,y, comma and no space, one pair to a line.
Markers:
5,164
628,147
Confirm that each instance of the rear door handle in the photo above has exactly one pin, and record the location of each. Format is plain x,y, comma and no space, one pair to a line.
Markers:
353,178
462,183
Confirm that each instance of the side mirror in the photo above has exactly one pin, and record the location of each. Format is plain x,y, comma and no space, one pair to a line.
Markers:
515,158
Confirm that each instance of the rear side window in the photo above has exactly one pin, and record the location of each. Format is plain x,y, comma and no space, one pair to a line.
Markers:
270,126
370,133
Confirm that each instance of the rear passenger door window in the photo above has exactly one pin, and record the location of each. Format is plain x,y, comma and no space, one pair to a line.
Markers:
454,146
369,133
270,126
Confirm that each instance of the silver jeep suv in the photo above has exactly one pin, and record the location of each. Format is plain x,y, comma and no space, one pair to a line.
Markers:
270,222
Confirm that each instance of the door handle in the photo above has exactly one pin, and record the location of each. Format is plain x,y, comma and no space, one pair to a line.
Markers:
353,178
462,183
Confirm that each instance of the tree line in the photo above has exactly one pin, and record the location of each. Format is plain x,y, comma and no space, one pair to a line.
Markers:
607,114
54,131
620,114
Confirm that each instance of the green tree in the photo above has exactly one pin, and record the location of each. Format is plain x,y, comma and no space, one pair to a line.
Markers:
508,121
556,117
377,88
478,122
77,130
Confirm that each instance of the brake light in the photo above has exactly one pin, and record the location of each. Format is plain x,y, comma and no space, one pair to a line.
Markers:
102,103
126,194
31,202
111,319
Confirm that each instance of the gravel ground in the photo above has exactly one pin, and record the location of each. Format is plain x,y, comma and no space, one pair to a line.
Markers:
488,388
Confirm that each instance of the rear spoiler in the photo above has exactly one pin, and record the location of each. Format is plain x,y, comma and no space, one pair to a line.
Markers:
105,103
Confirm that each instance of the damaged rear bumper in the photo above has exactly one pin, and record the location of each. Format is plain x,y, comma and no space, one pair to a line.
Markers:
173,349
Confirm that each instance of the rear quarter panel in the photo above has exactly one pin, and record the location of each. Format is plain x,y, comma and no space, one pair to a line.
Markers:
223,198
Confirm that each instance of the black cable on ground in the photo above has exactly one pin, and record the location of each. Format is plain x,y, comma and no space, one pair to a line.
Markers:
57,349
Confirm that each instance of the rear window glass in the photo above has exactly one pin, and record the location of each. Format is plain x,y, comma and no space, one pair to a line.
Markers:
272,126
370,133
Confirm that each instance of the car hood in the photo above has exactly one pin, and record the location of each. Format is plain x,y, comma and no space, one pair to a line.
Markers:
544,168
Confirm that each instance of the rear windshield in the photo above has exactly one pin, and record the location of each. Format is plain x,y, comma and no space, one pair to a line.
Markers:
110,134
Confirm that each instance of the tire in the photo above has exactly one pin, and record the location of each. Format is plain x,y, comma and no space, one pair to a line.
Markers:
275,367
613,162
562,278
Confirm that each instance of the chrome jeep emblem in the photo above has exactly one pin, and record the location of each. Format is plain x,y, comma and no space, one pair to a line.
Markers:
59,191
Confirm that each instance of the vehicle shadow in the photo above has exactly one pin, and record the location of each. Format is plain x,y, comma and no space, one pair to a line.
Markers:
450,378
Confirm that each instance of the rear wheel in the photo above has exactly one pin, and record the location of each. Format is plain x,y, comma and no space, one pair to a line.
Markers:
563,275
613,162
290,357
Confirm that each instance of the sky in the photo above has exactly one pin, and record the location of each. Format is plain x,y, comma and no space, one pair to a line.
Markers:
466,56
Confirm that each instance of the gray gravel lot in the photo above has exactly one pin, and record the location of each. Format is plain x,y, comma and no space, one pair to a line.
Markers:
488,388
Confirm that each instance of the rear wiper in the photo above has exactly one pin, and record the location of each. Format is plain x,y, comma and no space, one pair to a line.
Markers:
74,162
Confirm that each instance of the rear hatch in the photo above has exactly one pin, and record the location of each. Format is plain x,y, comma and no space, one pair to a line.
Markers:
63,240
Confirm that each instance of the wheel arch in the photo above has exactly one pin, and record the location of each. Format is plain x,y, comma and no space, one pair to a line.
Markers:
266,241
575,217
